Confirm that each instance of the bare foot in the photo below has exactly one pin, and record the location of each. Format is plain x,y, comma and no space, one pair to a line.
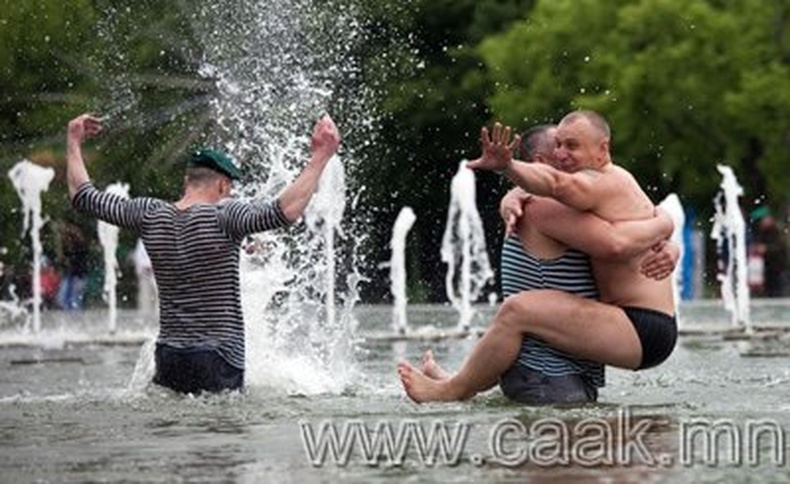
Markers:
421,388
431,368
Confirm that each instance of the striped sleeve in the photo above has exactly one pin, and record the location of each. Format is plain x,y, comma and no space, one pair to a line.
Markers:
239,218
111,208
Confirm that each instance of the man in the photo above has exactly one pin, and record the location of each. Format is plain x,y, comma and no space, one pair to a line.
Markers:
194,249
532,259
632,327
770,244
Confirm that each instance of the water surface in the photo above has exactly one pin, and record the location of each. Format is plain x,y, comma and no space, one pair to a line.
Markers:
71,411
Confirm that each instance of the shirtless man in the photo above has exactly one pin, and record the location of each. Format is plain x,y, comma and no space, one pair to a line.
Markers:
632,327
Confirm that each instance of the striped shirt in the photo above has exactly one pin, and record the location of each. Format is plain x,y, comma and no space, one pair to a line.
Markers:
195,258
571,273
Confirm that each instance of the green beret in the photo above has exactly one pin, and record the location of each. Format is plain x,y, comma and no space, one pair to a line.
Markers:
216,161
760,213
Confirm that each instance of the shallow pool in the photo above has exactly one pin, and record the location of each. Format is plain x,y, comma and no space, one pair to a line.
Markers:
717,410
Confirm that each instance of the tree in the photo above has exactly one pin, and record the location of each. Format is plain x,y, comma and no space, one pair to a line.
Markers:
431,86
685,85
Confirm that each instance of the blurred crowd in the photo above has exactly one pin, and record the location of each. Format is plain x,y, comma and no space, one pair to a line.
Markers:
767,250
72,272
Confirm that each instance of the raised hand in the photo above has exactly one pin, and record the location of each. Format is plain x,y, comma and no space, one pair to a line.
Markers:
84,126
497,149
326,138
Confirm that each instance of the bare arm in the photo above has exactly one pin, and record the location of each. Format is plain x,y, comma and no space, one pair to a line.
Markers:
511,208
597,237
574,189
79,129
297,195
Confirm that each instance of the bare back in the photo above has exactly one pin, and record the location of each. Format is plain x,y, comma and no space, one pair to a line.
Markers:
620,282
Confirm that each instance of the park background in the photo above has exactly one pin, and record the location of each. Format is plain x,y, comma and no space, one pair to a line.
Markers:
685,85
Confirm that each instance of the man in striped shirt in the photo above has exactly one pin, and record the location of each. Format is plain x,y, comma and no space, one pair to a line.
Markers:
194,248
532,259
632,327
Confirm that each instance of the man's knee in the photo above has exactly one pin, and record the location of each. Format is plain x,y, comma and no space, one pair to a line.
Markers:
514,313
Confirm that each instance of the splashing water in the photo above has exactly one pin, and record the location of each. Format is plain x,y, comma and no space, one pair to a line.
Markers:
297,339
729,230
674,208
266,72
108,238
30,181
274,79
397,267
463,247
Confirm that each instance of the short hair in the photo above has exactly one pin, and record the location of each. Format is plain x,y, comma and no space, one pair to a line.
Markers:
533,140
595,119
200,175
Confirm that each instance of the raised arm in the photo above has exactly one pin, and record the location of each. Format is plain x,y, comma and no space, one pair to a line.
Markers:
324,144
597,237
574,189
79,129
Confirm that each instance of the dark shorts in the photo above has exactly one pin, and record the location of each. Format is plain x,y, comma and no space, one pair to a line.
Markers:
531,387
658,333
195,370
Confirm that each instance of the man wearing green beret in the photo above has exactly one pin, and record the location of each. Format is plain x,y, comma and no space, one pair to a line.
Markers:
194,247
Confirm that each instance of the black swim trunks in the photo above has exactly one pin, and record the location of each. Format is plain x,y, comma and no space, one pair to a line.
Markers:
531,387
658,333
194,370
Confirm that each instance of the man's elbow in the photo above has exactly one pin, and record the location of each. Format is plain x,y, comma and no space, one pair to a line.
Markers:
290,212
613,249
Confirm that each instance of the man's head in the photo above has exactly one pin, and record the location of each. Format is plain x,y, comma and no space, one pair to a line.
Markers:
537,144
762,218
211,171
582,141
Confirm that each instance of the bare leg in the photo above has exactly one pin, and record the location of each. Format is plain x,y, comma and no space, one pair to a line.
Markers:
579,326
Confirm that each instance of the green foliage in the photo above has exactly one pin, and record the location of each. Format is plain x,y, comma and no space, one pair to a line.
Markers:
432,111
684,84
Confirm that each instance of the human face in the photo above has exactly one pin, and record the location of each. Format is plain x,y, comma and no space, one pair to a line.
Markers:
579,146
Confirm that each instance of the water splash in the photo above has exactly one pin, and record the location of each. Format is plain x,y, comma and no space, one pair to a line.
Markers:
463,247
278,69
263,73
729,231
30,181
397,266
671,204
298,340
108,238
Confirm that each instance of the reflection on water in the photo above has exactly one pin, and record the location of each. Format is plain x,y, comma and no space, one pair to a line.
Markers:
71,413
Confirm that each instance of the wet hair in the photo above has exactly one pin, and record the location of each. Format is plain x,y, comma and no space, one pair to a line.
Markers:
595,119
200,175
532,140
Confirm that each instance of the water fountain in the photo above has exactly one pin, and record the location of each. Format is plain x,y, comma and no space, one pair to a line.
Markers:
279,66
729,231
463,247
397,266
30,181
671,204
93,432
108,237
